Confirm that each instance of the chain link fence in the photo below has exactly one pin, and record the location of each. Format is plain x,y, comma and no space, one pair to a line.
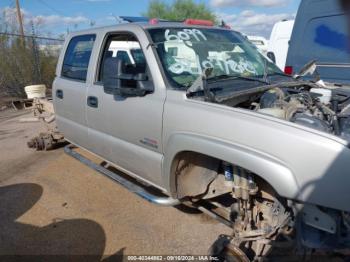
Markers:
27,60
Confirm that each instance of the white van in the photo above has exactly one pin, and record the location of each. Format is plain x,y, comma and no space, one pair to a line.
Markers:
260,42
128,51
279,42
321,33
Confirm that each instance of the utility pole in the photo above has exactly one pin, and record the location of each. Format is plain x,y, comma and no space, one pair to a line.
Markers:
20,21
37,73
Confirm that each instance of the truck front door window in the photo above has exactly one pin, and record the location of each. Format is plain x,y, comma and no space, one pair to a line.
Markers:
123,47
124,56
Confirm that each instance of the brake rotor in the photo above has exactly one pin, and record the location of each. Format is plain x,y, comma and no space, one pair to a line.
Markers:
226,251
232,253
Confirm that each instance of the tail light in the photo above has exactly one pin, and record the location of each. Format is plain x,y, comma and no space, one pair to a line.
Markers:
198,22
288,70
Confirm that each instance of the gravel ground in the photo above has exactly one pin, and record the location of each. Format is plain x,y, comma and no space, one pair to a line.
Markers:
51,204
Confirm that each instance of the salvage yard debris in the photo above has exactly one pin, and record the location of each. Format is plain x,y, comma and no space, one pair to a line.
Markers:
43,110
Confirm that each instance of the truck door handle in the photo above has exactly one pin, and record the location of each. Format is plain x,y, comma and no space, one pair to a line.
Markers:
92,101
59,93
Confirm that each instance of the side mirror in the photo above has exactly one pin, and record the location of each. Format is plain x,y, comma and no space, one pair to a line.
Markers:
272,56
124,79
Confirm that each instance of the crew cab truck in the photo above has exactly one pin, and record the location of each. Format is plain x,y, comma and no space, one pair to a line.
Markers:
221,129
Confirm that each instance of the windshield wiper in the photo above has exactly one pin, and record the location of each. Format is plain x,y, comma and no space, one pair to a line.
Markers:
201,85
229,77
265,72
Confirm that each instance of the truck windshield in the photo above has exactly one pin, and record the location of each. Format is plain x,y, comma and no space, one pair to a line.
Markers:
186,52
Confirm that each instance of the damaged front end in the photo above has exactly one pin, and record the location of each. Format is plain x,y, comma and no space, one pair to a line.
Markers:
322,107
262,220
325,109
219,66
263,223
323,228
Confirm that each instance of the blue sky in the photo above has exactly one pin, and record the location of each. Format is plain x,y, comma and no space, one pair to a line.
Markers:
249,16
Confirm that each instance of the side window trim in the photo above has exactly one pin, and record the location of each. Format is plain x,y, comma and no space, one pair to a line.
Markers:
74,38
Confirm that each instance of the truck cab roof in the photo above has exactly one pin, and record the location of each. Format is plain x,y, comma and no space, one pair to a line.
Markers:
151,24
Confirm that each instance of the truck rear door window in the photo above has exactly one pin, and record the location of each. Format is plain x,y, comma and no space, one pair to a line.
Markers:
77,57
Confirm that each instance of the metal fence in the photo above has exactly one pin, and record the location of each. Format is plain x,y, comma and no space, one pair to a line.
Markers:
26,60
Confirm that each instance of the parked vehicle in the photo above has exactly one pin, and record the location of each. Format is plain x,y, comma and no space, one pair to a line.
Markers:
279,42
260,42
321,33
262,152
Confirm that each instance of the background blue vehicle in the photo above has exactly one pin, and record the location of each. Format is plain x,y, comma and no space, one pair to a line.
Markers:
321,33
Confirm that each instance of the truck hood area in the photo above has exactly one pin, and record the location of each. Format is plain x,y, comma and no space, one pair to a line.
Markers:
323,107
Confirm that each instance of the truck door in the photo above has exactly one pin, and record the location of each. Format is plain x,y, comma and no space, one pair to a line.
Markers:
127,131
69,92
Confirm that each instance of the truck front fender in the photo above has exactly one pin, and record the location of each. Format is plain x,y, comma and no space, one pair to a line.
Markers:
269,168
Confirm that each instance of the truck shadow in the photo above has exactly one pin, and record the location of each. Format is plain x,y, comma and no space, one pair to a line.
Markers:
65,240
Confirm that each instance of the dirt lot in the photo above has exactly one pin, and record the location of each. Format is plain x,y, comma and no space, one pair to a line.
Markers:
50,204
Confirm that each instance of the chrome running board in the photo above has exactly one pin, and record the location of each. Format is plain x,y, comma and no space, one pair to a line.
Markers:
138,190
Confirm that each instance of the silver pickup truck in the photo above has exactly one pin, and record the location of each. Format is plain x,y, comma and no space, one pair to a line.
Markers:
194,114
